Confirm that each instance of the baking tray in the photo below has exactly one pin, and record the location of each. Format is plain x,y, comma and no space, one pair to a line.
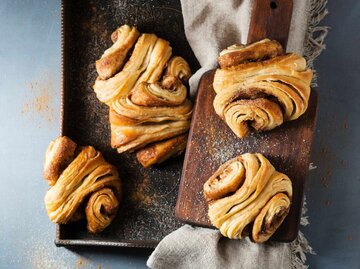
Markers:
146,213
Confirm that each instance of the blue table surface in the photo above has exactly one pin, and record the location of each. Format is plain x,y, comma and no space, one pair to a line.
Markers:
30,116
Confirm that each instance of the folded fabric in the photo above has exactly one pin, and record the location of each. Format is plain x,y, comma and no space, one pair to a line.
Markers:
195,247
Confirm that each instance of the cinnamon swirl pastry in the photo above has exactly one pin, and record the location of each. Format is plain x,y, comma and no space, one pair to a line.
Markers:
114,57
238,53
130,134
88,181
121,84
247,194
101,209
258,88
178,67
59,154
147,98
161,151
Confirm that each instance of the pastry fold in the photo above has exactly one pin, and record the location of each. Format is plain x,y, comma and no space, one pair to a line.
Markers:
114,57
238,53
101,209
148,51
178,67
130,135
84,183
248,193
170,92
147,98
161,151
58,155
263,94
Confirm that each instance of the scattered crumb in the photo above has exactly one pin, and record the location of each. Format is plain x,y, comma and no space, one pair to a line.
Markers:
350,237
326,178
327,202
312,166
81,262
42,257
140,195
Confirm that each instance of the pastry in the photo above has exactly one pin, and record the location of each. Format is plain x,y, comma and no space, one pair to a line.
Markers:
147,98
59,154
258,51
101,209
247,196
130,135
258,88
170,92
146,63
151,112
88,181
114,57
161,151
178,67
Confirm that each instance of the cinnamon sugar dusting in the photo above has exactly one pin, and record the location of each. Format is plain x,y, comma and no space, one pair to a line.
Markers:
139,195
38,103
81,262
42,257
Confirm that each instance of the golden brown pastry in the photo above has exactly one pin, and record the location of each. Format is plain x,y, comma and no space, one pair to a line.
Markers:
147,99
161,151
101,209
247,194
146,63
258,51
260,95
129,135
59,154
114,57
170,92
178,67
87,181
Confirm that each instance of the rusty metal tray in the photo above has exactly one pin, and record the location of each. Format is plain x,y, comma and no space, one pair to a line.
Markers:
147,211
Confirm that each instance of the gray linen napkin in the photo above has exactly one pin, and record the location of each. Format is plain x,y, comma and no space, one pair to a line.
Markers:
211,26
199,248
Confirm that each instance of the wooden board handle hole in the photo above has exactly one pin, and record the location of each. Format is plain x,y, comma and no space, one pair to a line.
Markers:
273,5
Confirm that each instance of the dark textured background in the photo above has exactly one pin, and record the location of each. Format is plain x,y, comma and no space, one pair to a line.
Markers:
29,116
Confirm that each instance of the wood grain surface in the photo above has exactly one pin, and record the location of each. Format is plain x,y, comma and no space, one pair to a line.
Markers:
271,19
211,142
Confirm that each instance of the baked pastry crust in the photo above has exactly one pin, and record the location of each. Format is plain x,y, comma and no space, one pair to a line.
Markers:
146,63
161,151
59,154
258,51
178,67
134,135
147,98
114,57
170,92
284,81
247,193
101,209
88,175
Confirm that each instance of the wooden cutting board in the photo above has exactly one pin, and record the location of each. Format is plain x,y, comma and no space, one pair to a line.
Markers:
211,142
